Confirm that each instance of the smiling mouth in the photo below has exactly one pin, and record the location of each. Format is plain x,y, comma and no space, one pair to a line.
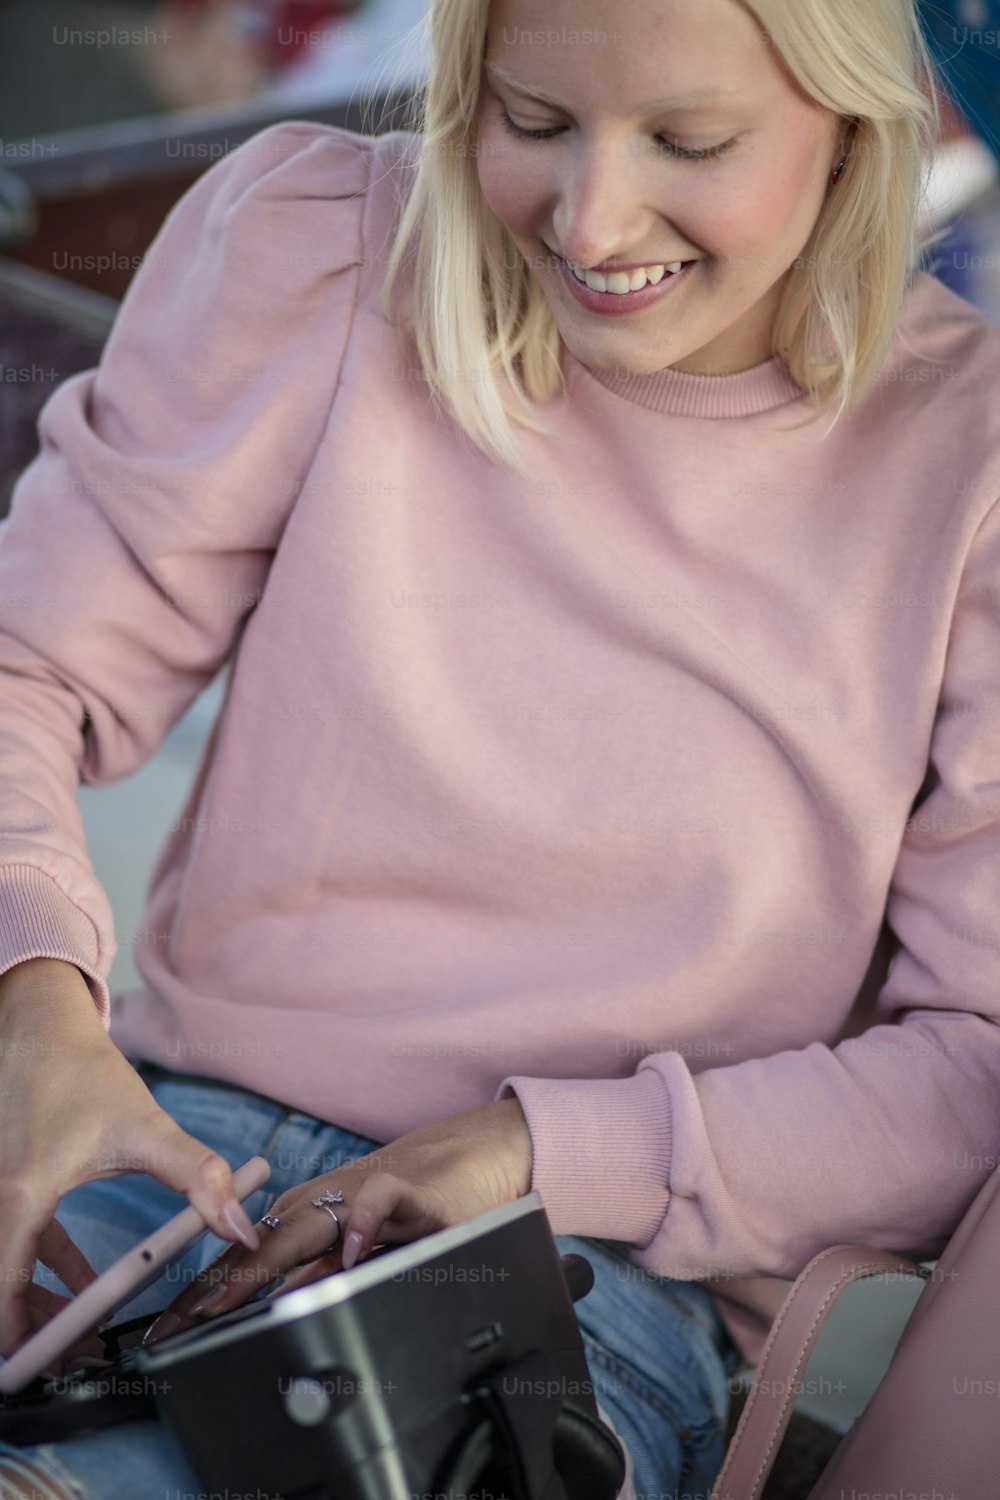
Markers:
623,283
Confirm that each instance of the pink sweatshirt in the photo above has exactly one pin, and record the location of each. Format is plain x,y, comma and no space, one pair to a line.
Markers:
594,787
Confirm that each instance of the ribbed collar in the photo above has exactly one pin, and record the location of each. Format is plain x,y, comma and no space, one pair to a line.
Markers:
744,394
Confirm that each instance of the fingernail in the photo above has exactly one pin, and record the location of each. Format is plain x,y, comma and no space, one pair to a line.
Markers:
165,1324
352,1246
210,1301
234,1217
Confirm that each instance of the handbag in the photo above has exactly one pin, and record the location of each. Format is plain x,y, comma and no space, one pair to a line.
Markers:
931,1430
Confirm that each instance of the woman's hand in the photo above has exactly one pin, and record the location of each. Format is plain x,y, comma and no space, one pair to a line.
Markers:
73,1109
431,1178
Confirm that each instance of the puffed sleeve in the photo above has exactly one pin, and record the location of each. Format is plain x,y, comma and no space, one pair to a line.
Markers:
883,1139
140,537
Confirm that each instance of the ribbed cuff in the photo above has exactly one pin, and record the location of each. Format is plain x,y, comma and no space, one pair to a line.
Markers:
38,920
601,1152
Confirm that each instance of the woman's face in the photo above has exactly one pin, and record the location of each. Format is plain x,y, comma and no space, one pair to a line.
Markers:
611,185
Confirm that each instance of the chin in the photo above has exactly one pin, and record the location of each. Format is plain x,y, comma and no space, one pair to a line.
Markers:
599,355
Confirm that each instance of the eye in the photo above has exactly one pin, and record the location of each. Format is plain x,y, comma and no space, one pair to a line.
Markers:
669,148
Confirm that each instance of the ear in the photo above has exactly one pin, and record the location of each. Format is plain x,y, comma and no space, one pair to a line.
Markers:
846,132
849,129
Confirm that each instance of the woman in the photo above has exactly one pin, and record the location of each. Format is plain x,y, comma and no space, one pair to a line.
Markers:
593,654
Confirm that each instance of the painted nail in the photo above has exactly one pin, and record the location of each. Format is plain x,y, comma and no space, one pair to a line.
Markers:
166,1324
235,1218
210,1302
352,1246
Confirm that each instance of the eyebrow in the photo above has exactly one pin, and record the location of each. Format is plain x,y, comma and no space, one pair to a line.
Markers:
648,106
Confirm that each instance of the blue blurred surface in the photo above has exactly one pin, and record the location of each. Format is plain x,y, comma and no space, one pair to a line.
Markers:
964,38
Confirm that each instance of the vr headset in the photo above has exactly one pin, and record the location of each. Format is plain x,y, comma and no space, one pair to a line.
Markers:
436,1370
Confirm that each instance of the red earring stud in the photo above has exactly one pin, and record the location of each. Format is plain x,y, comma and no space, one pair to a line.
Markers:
839,171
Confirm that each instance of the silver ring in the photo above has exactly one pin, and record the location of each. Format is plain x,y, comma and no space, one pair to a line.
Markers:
271,1221
327,1209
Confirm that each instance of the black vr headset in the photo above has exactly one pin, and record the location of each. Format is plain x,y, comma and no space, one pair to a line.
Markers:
439,1370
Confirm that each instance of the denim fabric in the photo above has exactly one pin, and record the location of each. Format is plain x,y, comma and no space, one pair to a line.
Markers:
659,1357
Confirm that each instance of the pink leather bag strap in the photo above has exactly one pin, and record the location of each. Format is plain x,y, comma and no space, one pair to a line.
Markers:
793,1335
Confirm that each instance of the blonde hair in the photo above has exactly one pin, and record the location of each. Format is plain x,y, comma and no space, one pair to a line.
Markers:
478,311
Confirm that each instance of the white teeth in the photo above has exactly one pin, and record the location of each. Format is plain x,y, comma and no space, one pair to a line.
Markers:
621,282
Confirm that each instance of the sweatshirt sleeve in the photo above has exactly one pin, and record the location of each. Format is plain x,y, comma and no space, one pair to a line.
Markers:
140,536
883,1139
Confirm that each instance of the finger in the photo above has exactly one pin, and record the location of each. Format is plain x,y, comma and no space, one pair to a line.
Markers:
22,1226
88,1347
301,1238
179,1313
389,1210
57,1251
313,1270
44,1304
189,1166
237,1275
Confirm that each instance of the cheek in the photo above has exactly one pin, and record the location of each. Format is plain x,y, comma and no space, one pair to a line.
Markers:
513,185
724,216
788,200
760,219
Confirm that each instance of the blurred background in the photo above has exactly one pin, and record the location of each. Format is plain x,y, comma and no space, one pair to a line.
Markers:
109,109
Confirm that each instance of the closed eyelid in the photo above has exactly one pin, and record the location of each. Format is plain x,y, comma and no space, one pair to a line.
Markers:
703,122
544,134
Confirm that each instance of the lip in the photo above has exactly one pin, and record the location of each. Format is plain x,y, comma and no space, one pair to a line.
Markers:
614,304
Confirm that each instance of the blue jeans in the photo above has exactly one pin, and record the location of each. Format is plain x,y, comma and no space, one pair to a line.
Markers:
659,1357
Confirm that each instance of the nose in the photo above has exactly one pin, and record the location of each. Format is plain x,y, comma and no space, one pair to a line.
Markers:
605,208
